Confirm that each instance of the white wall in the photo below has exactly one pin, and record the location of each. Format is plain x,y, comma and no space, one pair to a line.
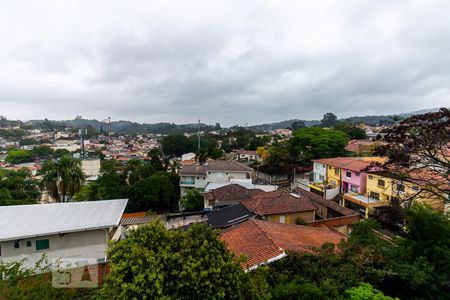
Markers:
86,244
215,176
319,170
91,167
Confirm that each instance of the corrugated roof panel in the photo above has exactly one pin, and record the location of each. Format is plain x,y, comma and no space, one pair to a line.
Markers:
22,221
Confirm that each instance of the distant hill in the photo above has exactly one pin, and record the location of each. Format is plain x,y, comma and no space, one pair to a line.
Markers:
369,120
282,124
128,127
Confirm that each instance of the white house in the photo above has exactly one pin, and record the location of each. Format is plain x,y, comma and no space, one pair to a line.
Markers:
199,176
74,230
247,155
320,172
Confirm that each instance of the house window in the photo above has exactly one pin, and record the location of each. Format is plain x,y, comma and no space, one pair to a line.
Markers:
16,245
42,245
348,174
321,178
336,171
353,188
357,174
370,177
415,188
283,219
400,187
381,182
375,195
28,243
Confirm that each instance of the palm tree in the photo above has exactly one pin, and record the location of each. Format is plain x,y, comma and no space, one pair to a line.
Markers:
396,118
62,178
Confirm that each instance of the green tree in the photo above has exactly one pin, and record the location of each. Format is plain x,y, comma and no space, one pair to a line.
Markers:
314,142
156,193
18,187
366,291
176,145
192,201
111,182
42,152
216,153
352,131
156,159
156,263
62,178
19,156
298,124
421,269
60,153
328,120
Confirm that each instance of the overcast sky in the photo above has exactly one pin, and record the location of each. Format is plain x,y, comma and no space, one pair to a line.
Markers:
233,62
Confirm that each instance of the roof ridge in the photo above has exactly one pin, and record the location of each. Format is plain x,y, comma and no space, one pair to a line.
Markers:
267,234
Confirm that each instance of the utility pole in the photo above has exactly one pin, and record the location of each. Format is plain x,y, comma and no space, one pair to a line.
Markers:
198,136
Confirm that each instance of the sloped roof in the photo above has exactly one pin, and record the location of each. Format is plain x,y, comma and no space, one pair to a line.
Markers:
25,221
215,165
327,203
263,241
344,163
278,202
232,193
225,165
229,215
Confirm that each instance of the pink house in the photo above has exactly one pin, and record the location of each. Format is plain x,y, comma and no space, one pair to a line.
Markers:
353,181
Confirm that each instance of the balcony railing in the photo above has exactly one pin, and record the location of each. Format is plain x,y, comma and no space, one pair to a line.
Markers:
187,182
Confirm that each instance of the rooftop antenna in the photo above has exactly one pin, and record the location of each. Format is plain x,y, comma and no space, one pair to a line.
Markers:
82,144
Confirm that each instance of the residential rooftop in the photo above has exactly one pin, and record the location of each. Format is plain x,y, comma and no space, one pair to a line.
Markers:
26,221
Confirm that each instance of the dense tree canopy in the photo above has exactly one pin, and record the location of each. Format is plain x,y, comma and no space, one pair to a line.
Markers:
352,131
19,156
18,187
156,263
314,142
328,120
192,201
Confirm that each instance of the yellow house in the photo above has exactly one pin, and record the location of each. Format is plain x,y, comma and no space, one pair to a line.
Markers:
381,190
334,175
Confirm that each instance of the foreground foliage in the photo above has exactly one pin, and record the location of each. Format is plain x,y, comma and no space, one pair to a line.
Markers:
155,263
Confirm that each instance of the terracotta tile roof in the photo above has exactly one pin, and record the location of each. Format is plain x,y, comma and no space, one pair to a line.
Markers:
232,193
248,239
225,165
188,162
278,202
345,163
193,169
327,203
261,241
362,145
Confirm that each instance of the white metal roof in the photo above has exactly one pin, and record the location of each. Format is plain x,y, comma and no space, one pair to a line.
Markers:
25,221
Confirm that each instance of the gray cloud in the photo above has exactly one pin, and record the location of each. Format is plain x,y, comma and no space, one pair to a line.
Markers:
227,61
